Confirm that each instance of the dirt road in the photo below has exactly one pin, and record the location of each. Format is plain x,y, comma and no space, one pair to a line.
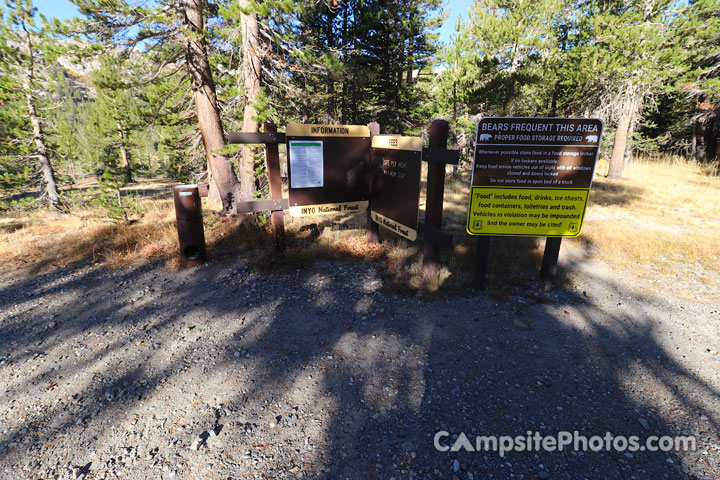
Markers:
225,372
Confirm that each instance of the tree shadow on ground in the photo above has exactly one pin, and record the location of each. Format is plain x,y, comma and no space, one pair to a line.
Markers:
609,193
321,371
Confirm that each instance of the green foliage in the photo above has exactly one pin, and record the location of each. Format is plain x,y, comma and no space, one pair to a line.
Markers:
353,62
25,46
116,206
169,128
116,110
578,58
350,61
144,106
72,126
18,204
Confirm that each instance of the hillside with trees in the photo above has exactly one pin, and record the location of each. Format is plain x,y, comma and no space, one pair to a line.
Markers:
157,85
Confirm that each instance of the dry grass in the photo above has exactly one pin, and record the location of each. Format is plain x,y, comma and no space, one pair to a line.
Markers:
44,240
661,214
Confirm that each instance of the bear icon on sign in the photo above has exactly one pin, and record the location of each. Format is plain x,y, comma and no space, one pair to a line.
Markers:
591,138
485,137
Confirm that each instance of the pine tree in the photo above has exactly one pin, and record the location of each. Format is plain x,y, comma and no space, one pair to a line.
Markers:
610,59
117,108
701,83
171,34
398,39
506,42
69,138
23,45
116,206
360,61
319,40
248,36
634,57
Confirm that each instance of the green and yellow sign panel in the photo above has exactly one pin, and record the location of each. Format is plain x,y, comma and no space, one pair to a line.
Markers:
395,198
328,169
532,176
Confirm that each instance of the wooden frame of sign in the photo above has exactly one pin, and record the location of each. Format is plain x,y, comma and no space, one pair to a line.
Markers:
395,197
328,169
275,204
437,156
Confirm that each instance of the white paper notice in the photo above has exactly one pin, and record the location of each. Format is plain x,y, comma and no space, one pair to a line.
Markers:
306,164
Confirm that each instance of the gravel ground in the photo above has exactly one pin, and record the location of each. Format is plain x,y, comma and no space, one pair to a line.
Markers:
224,372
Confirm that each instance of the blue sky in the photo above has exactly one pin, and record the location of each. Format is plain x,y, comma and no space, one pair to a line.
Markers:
65,9
61,9
457,8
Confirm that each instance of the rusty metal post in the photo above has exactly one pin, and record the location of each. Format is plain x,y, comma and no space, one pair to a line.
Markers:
373,228
188,213
272,157
435,193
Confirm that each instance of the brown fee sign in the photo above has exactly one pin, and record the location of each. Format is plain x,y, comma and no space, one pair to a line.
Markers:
395,198
532,176
328,168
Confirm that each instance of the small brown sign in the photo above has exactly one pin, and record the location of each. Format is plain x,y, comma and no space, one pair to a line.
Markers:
396,183
328,168
532,176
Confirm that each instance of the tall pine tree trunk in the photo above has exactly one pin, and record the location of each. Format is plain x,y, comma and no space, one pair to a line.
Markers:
627,158
252,80
47,173
124,160
456,167
617,160
697,147
208,113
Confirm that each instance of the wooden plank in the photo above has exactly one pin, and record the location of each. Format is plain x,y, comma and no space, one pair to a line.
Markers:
441,155
268,138
272,157
262,206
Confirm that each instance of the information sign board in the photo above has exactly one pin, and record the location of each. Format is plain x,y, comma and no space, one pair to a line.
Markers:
328,168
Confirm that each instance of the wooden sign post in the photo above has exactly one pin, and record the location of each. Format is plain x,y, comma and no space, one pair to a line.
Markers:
373,228
272,157
437,156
